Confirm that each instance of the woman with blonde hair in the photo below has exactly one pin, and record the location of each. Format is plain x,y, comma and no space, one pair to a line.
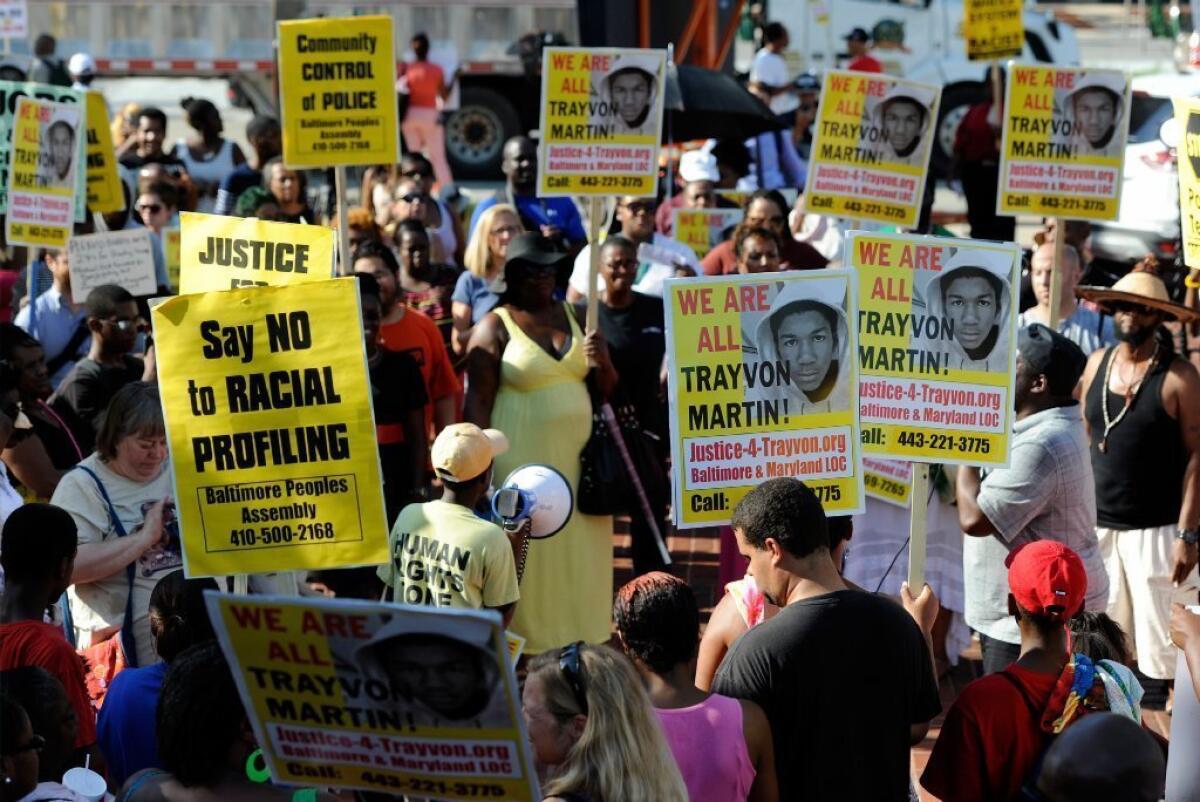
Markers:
594,734
486,251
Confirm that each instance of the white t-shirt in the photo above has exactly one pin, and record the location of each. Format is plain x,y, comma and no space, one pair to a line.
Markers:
771,69
652,277
98,608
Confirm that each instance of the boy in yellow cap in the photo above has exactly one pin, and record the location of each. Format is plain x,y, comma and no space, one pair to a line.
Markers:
443,554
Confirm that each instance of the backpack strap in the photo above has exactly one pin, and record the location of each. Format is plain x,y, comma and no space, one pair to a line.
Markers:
1029,785
127,638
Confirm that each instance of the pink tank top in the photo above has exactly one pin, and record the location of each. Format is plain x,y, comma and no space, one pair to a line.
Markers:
710,748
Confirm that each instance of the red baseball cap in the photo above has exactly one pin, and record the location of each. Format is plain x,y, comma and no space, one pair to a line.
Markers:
1047,579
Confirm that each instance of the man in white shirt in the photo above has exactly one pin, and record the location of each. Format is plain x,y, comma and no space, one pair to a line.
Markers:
666,257
769,76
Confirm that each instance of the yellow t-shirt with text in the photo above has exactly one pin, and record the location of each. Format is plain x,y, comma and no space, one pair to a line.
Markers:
443,555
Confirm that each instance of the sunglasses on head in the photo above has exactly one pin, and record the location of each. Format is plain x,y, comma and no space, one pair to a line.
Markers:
1131,308
571,666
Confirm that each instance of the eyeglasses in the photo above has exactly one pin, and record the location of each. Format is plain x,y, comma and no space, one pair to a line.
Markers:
36,744
1131,308
500,232
150,208
571,666
125,325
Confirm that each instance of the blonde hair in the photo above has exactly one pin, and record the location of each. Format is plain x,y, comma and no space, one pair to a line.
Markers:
622,754
478,256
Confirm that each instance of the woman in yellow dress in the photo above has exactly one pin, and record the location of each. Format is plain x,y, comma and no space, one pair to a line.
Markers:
527,362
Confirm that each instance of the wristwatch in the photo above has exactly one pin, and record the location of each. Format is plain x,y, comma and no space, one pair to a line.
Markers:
1189,536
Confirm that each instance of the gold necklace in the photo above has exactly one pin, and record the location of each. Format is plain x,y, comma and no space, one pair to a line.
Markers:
1131,394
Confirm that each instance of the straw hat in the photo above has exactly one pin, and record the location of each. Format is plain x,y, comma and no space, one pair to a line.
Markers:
1138,287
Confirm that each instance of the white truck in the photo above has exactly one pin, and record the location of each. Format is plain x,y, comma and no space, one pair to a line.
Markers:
919,39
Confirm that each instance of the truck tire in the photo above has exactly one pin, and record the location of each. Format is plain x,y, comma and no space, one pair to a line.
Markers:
477,131
956,100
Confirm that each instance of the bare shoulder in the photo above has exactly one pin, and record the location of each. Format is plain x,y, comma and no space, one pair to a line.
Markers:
489,333
725,622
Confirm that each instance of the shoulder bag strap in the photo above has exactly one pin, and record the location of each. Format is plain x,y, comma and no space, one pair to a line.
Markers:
70,349
127,638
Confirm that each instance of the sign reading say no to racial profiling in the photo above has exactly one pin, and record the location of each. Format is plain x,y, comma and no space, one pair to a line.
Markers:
272,437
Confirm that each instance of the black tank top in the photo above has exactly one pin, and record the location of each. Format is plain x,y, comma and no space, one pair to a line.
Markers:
1139,481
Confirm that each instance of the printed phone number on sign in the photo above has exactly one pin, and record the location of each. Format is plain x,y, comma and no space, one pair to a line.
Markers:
856,207
944,442
1055,202
281,534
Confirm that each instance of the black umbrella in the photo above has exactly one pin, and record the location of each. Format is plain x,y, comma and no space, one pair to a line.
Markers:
706,104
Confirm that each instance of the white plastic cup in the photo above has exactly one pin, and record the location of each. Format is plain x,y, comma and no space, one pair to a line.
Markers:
86,783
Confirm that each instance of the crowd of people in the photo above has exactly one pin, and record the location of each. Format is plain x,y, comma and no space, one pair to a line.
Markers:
818,670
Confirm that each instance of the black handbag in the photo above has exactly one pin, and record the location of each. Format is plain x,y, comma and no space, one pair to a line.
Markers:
607,485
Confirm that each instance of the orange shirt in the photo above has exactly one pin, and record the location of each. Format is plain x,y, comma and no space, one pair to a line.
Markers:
416,335
425,80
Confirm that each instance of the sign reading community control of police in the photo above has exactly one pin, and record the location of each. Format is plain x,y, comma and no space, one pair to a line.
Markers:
993,28
269,422
221,253
409,701
1187,126
763,384
870,153
41,181
601,121
10,94
936,345
337,91
1064,142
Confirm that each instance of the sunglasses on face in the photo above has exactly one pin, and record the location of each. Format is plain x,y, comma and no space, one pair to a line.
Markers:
125,325
417,174
571,666
639,208
150,208
36,743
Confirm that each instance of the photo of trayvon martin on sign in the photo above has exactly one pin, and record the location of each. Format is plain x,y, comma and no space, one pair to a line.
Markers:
1064,142
936,346
763,384
406,700
872,147
601,121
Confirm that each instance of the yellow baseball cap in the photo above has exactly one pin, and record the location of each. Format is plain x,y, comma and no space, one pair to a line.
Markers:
463,451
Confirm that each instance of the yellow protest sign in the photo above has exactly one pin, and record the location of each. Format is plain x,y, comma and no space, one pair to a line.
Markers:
888,480
404,700
937,346
703,229
1064,142
337,91
601,121
10,93
221,253
763,384
104,192
871,148
42,175
171,247
269,423
993,28
1187,124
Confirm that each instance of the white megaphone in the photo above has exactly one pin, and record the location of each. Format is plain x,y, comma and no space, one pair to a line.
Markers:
537,492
